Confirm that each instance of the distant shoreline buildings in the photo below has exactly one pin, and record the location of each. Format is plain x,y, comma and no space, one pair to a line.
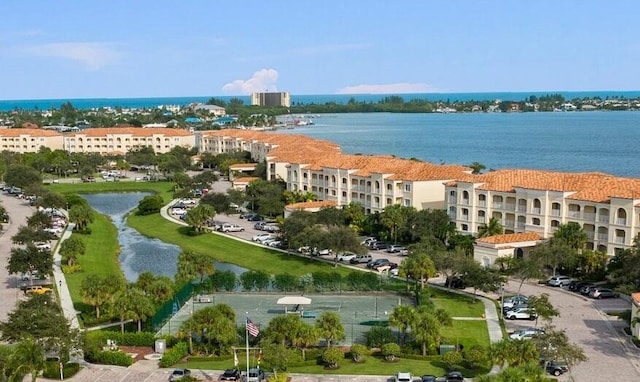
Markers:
275,99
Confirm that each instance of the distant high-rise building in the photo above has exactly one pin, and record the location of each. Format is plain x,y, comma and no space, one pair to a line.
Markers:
271,99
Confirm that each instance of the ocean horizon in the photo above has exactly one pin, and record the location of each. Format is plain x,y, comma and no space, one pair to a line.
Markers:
298,99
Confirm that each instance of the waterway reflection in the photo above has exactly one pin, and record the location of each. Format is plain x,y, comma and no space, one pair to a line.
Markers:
139,253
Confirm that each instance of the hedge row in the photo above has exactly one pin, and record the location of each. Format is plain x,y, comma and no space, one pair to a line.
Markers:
174,355
109,357
100,338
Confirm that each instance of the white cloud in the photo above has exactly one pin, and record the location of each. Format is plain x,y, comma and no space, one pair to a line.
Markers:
262,80
401,87
91,55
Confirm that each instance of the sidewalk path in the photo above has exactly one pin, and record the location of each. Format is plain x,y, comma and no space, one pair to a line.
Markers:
66,303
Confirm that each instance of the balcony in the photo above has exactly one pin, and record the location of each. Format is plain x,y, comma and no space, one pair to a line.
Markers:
603,218
574,214
536,210
522,208
589,216
590,235
509,223
621,221
510,206
603,237
464,202
497,205
464,218
482,203
520,225
555,212
619,240
481,219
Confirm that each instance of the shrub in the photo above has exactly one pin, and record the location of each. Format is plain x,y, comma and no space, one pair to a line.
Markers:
174,355
390,351
452,359
68,269
109,357
378,336
475,357
332,356
358,352
279,377
52,370
99,338
279,357
221,281
285,282
150,205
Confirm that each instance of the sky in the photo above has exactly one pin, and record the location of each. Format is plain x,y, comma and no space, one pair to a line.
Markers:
139,48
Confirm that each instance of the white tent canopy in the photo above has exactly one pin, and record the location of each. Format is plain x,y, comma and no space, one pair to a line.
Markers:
294,300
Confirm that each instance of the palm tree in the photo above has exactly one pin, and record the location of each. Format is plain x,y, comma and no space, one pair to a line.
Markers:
418,266
401,318
572,235
29,356
82,215
305,336
97,290
133,304
492,228
330,327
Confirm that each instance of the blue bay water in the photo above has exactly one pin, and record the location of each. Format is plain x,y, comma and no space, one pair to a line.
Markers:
573,141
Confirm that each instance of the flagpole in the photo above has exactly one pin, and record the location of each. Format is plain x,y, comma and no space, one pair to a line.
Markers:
246,335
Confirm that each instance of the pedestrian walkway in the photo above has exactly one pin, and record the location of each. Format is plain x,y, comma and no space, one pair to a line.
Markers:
66,303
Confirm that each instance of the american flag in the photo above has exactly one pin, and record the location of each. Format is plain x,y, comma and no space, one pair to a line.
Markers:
252,328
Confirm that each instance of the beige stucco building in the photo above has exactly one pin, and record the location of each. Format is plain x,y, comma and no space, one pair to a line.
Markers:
29,140
120,140
318,166
487,250
605,206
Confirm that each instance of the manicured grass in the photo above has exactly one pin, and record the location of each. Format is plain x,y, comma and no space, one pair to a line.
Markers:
163,188
229,250
467,333
101,257
457,305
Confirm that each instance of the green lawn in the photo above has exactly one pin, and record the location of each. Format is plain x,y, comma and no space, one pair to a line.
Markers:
101,257
229,250
374,365
457,305
163,188
467,333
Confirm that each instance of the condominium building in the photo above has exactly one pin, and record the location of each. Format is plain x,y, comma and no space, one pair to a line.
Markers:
317,166
19,140
120,140
271,99
533,201
277,150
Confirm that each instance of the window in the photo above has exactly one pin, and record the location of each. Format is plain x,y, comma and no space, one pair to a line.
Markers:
464,227
536,221
407,202
407,188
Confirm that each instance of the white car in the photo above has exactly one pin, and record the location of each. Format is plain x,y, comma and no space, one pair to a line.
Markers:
521,314
346,256
526,334
261,236
43,245
227,227
275,243
403,377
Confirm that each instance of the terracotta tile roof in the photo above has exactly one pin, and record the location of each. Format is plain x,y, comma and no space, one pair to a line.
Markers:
31,132
314,204
242,166
134,131
591,186
510,238
636,298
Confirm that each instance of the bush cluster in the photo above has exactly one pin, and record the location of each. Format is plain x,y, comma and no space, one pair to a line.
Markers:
108,357
174,355
52,370
99,338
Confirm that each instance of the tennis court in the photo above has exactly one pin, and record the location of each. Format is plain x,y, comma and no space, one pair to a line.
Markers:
358,312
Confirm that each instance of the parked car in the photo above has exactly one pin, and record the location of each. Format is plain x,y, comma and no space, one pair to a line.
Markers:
346,256
599,293
556,368
526,334
378,245
37,289
521,314
585,289
359,259
575,285
403,377
271,227
231,375
255,218
320,252
275,243
261,236
454,376
559,281
368,240
429,378
179,374
456,282
256,375
43,245
393,248
514,301
375,264
228,227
